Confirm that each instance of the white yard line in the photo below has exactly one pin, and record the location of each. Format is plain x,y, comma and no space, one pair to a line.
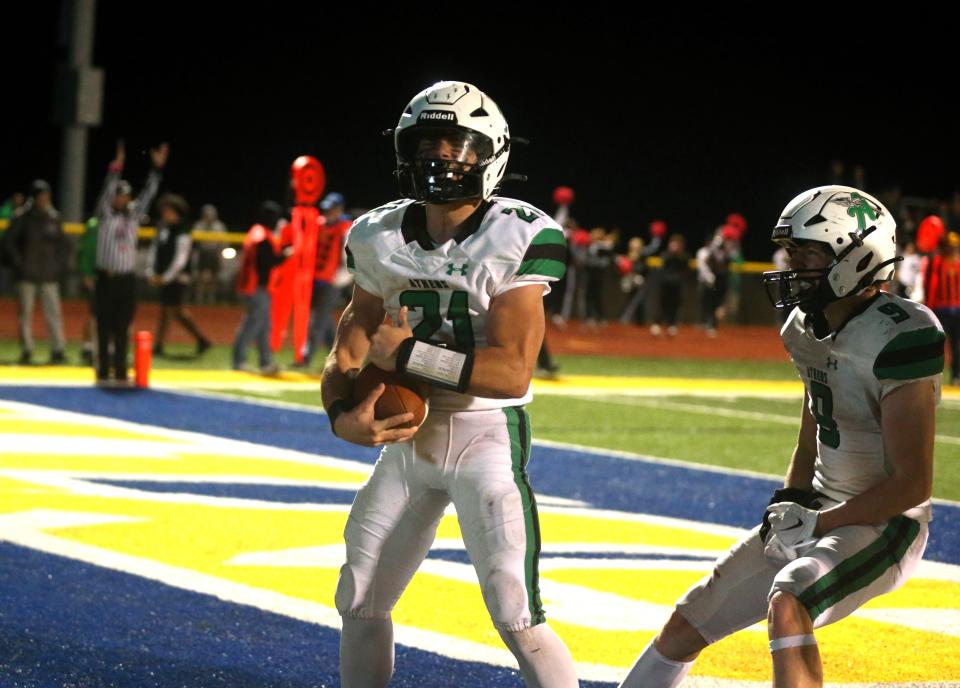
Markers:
723,412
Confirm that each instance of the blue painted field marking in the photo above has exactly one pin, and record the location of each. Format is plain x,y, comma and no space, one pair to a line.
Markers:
604,481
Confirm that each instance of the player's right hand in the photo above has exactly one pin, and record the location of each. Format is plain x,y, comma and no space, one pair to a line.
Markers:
360,426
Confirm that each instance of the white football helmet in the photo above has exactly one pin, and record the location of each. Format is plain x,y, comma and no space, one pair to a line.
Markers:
856,229
452,143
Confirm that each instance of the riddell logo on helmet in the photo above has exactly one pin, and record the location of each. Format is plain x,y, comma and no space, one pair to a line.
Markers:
436,115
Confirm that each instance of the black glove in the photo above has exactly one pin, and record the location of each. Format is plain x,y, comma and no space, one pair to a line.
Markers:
805,498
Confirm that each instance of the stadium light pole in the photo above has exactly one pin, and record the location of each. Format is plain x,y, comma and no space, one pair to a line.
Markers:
78,102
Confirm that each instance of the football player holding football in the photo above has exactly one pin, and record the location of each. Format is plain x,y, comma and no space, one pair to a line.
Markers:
851,521
461,273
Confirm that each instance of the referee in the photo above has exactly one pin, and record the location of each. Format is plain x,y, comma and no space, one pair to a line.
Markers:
118,219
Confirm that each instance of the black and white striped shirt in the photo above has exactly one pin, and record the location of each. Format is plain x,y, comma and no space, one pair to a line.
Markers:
117,230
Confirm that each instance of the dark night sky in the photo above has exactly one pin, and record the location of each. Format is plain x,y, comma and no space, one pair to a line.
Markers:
663,119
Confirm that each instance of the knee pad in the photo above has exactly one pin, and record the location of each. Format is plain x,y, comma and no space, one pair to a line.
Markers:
346,596
505,595
354,597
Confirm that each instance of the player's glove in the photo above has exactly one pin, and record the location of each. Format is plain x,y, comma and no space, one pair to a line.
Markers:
787,494
791,527
775,552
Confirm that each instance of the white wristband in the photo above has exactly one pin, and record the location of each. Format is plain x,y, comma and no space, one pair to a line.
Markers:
436,364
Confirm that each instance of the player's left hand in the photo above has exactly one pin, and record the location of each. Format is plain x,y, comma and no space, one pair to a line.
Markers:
386,340
776,553
794,525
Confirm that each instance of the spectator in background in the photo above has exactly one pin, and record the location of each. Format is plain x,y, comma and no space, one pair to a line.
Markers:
673,273
713,270
909,283
330,242
658,232
653,247
38,251
546,366
942,289
208,256
168,267
7,211
598,264
633,270
118,217
563,197
87,267
10,206
574,293
260,256
930,233
734,229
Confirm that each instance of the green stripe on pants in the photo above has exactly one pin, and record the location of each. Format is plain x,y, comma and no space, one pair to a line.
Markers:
518,426
863,568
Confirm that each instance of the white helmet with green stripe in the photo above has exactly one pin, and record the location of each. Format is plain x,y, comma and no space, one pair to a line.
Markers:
855,228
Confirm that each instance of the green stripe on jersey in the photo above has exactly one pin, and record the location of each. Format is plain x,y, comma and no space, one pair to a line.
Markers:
911,355
550,235
545,267
863,568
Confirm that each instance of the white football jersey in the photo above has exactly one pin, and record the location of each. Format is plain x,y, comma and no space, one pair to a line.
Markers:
448,288
892,342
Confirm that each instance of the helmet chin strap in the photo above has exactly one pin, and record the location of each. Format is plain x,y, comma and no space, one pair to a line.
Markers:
821,328
814,308
821,299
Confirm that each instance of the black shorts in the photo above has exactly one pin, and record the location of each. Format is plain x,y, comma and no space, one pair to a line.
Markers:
208,260
90,295
172,294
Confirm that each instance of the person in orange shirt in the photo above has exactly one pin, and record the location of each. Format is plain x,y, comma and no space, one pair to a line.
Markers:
330,241
941,273
261,255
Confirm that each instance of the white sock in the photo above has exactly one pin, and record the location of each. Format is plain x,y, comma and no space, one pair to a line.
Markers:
544,659
653,670
366,653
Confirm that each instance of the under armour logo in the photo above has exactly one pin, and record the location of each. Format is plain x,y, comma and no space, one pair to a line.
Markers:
460,269
832,362
861,209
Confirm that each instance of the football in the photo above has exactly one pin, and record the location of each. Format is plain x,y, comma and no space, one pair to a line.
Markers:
402,394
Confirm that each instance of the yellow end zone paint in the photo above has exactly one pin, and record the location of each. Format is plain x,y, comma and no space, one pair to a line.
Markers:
443,598
17,423
183,464
573,385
